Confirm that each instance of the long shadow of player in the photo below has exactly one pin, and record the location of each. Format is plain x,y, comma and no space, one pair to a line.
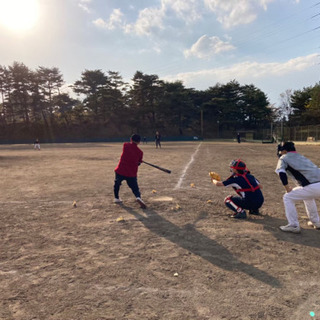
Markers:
308,238
190,239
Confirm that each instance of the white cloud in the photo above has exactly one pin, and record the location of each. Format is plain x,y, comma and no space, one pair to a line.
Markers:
115,18
152,19
236,12
206,47
100,23
83,4
148,21
229,13
154,49
246,71
187,10
114,21
264,3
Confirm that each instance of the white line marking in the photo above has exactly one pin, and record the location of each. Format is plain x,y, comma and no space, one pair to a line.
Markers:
178,185
38,201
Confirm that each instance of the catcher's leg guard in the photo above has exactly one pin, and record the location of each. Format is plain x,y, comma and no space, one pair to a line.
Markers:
231,205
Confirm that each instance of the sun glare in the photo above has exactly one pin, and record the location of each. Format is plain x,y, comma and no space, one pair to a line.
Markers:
19,15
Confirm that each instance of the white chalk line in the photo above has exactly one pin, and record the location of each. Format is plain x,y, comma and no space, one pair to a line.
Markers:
33,201
178,185
150,290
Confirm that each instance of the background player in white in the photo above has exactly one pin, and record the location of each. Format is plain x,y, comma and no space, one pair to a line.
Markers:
307,178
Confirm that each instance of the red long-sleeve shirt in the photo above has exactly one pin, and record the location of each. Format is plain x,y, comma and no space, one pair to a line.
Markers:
129,161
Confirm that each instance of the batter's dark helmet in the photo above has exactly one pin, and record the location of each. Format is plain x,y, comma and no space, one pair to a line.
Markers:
288,146
135,138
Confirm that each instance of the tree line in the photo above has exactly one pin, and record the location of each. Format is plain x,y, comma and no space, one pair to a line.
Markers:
102,105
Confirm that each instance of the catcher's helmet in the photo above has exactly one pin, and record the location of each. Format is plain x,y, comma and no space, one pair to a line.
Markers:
238,165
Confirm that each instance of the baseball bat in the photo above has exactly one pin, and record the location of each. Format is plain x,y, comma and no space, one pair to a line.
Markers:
157,167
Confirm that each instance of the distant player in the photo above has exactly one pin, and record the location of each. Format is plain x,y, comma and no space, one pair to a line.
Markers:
246,186
127,169
238,137
307,178
36,145
158,139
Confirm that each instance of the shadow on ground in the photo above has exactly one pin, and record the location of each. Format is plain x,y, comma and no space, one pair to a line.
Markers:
308,237
189,238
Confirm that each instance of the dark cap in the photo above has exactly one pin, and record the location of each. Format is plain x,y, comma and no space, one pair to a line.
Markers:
135,137
288,146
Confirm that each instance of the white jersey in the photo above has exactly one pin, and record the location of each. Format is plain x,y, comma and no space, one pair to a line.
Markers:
300,168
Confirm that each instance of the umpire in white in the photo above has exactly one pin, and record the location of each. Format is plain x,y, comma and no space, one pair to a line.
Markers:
307,178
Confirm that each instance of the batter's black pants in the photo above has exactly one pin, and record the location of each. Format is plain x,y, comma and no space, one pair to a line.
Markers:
132,183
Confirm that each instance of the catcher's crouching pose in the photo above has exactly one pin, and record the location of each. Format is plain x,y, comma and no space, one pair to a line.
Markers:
246,186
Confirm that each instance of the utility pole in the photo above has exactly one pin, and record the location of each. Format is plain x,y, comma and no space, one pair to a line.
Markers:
201,122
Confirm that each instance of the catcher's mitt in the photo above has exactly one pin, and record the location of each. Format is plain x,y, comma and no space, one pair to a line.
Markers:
215,176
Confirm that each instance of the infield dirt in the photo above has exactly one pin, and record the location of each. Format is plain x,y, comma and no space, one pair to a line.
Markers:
181,258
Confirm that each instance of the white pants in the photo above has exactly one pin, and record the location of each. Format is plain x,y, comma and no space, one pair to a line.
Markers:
37,146
307,194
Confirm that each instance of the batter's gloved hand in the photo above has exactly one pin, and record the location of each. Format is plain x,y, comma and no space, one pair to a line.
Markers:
215,176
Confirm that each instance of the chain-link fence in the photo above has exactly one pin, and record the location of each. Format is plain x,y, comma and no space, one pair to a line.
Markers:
298,133
275,133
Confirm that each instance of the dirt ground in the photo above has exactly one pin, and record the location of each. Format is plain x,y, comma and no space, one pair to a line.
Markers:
181,258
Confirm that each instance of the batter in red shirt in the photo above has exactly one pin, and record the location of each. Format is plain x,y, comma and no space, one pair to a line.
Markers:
127,169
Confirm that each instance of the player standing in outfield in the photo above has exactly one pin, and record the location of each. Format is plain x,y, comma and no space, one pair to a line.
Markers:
36,145
307,177
158,139
246,186
127,169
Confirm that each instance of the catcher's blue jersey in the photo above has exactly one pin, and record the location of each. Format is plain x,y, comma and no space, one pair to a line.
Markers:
247,187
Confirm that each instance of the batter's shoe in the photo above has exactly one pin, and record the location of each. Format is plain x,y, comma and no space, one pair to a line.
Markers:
142,204
117,200
315,225
240,215
288,228
254,212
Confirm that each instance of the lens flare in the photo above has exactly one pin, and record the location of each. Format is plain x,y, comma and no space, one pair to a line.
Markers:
19,15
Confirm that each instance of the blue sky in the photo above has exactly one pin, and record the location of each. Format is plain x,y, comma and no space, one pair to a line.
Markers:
273,44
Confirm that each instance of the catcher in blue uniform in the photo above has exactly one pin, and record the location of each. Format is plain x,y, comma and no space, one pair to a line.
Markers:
246,186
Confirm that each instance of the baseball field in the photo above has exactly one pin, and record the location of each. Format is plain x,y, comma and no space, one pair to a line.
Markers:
182,258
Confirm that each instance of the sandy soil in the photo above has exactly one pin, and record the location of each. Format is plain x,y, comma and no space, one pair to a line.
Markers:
182,258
